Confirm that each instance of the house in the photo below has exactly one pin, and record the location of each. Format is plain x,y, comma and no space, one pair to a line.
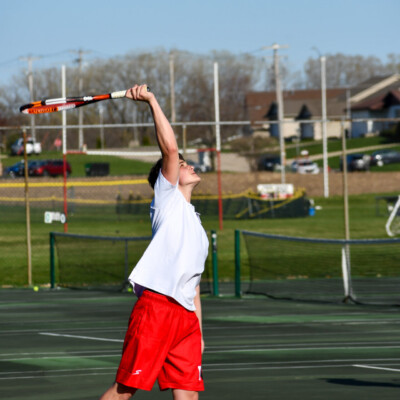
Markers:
375,98
299,105
378,97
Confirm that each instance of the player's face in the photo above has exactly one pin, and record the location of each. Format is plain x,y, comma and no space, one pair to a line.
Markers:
187,174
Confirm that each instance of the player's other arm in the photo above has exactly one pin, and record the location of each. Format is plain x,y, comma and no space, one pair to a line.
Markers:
164,133
197,304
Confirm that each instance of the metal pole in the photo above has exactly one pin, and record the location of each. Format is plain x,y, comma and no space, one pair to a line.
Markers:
30,59
64,144
184,141
218,143
172,86
101,110
279,99
324,130
52,262
345,189
238,292
214,263
346,213
28,214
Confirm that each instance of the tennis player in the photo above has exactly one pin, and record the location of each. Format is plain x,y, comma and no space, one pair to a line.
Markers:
164,340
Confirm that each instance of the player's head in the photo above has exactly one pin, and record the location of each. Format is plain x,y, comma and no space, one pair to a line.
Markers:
155,170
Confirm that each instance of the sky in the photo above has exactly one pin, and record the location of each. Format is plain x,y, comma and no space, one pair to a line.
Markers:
104,28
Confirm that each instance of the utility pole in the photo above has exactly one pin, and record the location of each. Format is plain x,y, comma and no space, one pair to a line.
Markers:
30,60
324,128
79,60
322,60
279,99
172,85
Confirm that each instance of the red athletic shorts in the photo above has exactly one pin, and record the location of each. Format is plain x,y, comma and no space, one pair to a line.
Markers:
163,342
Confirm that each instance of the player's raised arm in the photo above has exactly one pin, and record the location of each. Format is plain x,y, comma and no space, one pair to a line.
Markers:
164,133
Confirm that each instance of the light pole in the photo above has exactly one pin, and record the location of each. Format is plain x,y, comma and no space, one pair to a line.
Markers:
322,60
279,99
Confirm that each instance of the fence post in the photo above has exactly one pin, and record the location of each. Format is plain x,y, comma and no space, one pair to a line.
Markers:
52,262
214,263
237,264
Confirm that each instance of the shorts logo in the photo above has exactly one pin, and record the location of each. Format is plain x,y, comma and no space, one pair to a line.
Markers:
199,367
137,372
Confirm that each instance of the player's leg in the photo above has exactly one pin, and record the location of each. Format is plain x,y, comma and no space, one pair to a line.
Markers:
118,392
179,394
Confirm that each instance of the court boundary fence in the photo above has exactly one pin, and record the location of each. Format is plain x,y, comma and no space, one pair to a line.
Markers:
349,294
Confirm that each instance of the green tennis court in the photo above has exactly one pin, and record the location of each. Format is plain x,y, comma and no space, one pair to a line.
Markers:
65,344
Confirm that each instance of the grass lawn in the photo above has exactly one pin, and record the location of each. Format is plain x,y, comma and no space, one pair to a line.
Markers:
102,220
118,166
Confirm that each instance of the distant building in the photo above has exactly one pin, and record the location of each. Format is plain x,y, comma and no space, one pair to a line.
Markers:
298,105
378,97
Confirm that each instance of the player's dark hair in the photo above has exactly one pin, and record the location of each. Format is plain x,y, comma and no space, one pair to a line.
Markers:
155,170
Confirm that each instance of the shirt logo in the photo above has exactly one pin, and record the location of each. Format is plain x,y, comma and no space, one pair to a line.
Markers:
137,372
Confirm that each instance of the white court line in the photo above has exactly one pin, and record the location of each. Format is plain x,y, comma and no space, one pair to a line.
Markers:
238,350
207,367
49,375
372,367
81,337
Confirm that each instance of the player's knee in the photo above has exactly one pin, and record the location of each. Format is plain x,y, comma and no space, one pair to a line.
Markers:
185,395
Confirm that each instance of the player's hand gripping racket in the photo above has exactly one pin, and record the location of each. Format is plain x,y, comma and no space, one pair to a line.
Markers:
67,103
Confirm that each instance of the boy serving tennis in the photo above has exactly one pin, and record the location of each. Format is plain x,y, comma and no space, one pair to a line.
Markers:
164,338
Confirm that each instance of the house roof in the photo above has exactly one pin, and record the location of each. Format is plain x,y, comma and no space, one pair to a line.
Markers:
259,103
382,100
370,94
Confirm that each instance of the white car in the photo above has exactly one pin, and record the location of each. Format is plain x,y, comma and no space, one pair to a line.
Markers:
32,147
305,167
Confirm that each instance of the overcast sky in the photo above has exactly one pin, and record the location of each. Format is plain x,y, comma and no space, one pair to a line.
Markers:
109,28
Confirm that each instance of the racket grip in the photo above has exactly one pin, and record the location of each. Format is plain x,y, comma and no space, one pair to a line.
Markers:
118,95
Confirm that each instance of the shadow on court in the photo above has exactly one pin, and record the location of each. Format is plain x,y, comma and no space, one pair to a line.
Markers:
66,344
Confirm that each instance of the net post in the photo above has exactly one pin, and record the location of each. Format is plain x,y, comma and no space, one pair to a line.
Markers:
237,264
214,263
126,263
52,263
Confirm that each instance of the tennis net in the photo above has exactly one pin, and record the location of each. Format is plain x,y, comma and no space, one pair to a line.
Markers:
100,262
364,271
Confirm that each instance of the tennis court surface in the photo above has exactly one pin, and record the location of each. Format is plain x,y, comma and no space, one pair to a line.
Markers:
66,344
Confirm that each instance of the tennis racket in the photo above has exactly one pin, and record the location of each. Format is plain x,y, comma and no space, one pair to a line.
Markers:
68,103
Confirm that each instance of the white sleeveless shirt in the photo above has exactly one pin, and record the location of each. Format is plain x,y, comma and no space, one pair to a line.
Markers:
174,260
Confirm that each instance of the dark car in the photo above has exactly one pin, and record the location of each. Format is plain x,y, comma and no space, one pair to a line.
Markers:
387,156
269,162
18,169
50,168
15,170
356,162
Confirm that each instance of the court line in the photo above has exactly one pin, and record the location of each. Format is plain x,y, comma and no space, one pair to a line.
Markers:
49,374
81,337
239,349
373,367
206,367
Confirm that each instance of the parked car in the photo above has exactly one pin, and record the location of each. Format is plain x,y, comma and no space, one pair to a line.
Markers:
269,162
356,162
387,156
50,168
18,169
15,170
32,147
305,167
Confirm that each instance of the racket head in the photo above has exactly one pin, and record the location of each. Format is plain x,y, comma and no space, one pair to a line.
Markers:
39,108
